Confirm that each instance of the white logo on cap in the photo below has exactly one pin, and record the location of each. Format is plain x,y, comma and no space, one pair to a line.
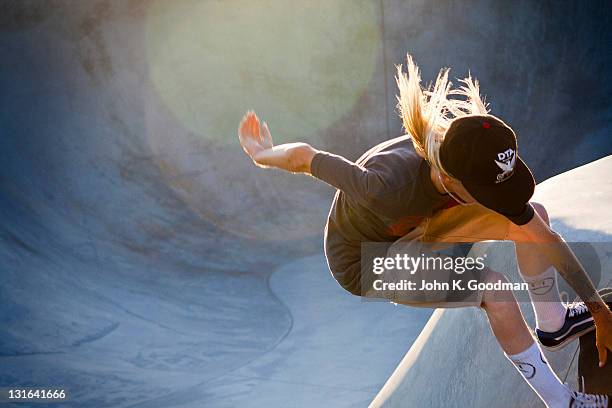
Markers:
505,161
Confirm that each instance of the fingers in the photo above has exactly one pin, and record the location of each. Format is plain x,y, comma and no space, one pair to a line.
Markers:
603,353
242,127
250,124
266,137
249,127
253,137
254,125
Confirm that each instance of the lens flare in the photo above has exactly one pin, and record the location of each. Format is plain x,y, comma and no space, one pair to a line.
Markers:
301,65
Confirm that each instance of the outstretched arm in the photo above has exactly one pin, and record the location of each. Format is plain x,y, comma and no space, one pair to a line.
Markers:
354,180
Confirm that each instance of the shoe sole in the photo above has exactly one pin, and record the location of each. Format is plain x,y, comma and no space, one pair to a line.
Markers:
569,339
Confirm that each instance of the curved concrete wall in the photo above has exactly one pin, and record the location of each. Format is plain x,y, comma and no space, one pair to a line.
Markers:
131,220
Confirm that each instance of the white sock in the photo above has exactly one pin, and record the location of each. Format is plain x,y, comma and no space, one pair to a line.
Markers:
544,293
535,369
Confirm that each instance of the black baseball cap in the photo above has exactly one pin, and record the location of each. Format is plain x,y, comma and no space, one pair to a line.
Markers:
481,151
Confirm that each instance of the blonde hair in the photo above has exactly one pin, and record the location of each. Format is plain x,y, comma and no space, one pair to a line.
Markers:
428,112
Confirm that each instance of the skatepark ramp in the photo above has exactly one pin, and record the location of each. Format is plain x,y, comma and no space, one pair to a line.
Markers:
144,260
456,362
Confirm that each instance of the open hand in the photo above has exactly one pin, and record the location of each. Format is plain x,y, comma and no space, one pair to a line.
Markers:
256,141
253,138
603,337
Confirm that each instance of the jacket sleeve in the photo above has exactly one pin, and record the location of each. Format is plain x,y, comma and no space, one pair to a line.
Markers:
354,180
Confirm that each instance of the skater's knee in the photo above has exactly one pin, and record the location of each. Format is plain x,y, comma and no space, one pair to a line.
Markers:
541,210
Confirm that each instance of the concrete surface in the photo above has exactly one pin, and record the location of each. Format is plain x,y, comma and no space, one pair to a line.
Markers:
138,247
143,260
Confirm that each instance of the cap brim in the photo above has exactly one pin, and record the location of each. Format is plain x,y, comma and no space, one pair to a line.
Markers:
508,197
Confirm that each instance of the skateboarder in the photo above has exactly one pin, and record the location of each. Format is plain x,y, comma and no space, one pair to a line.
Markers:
454,177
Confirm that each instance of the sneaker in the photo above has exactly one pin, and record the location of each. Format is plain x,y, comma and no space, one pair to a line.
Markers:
582,400
578,321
